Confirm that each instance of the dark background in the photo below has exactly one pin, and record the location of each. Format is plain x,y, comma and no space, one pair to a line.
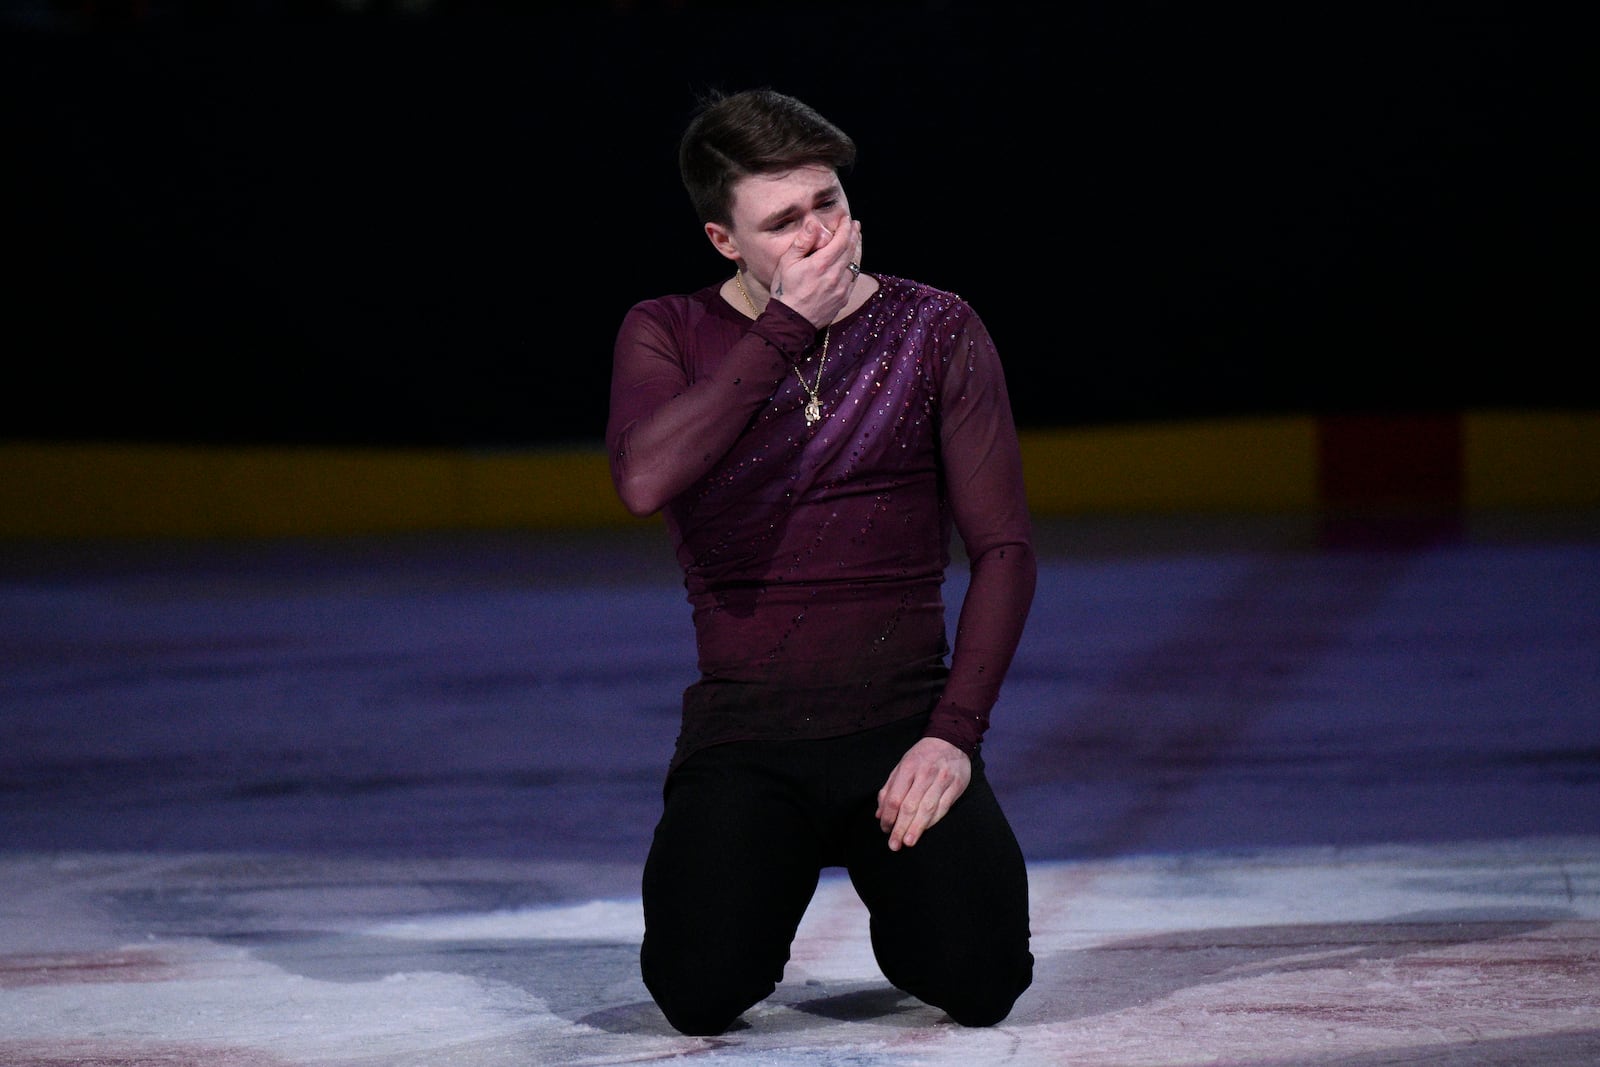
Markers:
371,224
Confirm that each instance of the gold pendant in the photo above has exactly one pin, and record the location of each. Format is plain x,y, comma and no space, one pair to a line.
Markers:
813,411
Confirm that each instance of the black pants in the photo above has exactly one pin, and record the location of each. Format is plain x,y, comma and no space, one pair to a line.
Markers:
746,831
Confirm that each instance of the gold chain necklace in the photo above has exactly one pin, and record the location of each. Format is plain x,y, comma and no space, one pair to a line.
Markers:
813,408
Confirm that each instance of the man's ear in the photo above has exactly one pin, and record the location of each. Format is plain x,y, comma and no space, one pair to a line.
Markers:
722,240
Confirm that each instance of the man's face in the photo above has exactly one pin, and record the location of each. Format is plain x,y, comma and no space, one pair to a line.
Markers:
770,210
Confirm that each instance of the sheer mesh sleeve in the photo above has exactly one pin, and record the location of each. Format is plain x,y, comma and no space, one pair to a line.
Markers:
983,473
678,403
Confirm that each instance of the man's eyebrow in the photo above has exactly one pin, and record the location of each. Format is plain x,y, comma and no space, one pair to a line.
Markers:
776,217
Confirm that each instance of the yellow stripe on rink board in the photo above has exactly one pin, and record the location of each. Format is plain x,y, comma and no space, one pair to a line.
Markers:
110,490
1225,465
1531,459
47,490
539,490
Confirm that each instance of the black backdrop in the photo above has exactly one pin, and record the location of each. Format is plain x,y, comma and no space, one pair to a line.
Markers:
269,224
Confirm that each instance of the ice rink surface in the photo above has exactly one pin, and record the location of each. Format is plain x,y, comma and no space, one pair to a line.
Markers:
1292,792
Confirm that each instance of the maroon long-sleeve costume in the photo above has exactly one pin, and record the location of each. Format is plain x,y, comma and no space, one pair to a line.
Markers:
814,555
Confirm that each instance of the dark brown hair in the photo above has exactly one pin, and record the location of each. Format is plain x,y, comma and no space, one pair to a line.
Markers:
756,131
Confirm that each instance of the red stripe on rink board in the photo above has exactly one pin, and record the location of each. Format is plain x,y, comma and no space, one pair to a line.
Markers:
1390,462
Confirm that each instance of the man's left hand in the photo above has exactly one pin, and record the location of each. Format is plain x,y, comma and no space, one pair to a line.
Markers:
929,778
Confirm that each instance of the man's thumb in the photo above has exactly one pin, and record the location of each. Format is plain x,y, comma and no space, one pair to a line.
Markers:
806,243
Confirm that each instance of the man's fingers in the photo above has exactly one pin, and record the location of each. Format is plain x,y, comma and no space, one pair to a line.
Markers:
921,789
916,816
892,800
